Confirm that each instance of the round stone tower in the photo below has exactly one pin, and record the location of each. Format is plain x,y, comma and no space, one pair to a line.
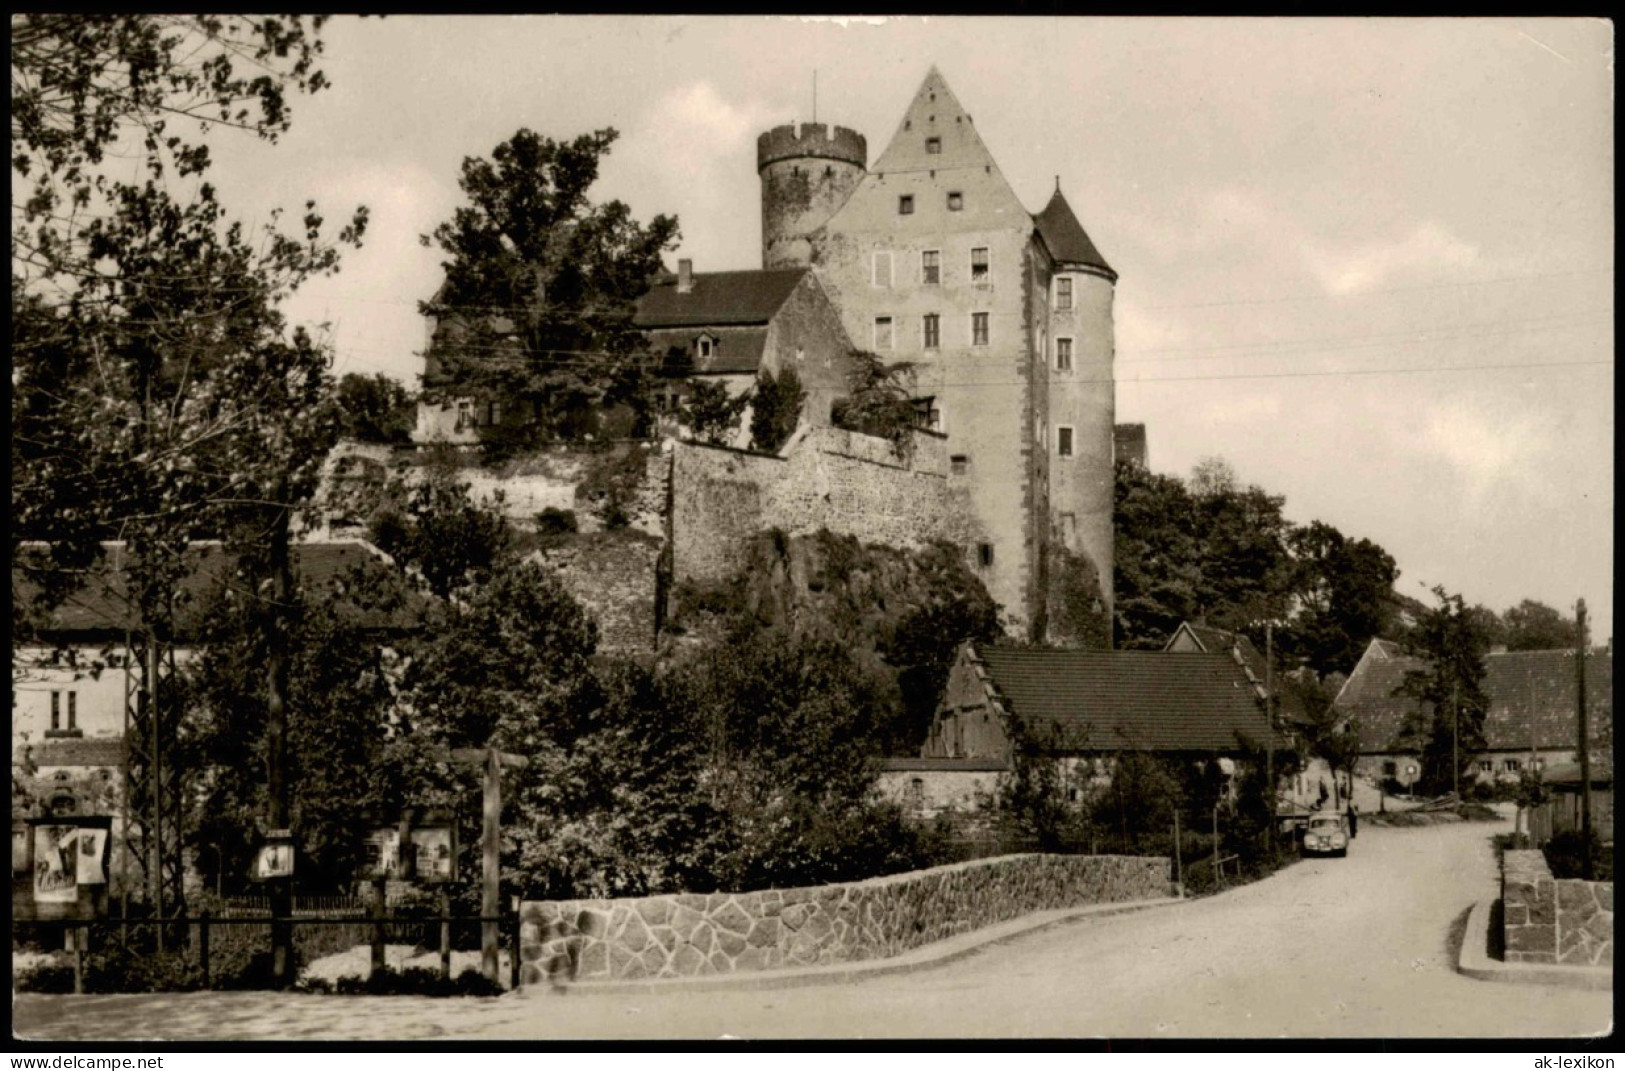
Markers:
808,171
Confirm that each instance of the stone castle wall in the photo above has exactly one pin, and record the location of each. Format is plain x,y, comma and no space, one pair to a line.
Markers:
684,935
1549,921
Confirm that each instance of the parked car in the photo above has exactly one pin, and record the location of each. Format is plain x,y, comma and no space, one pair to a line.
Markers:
1326,834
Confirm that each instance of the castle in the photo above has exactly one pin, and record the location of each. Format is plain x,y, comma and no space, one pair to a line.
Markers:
926,256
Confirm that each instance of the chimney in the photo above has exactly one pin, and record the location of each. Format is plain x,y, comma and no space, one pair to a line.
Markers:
685,275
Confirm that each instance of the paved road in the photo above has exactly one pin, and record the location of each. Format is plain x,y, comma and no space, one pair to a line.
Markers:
1326,948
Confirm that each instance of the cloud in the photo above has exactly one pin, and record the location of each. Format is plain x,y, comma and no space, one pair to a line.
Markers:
1429,246
1498,452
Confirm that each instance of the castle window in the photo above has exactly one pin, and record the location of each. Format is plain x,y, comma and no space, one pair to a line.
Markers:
905,205
56,711
1063,355
57,726
882,269
931,267
931,330
984,554
978,329
933,146
1063,293
979,273
1063,440
956,201
958,464
882,338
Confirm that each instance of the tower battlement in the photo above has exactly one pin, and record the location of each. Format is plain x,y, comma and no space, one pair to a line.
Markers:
814,140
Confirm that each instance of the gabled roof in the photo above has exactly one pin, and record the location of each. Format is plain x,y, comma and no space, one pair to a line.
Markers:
934,113
1532,699
1252,665
93,751
1129,700
1066,239
718,298
737,350
102,607
954,765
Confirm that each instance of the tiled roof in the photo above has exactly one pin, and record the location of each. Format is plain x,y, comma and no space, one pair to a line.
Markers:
1065,236
1602,770
1532,699
717,298
1120,700
101,605
97,751
962,765
1221,641
738,349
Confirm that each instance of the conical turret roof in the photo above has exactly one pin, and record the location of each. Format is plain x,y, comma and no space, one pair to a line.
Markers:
1067,241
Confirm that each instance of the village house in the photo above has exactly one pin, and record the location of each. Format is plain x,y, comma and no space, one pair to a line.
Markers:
1085,708
1532,720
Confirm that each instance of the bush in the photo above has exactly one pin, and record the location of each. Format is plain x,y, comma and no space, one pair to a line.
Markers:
413,982
45,978
553,522
1566,852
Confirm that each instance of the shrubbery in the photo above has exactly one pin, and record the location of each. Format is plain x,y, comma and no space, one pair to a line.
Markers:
1566,852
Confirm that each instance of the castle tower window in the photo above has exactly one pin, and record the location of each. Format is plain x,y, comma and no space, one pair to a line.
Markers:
931,331
959,464
1063,355
979,273
882,338
984,554
1063,293
956,201
1063,440
933,145
931,267
978,329
905,205
882,269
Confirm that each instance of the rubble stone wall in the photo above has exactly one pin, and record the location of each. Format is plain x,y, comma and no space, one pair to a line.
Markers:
683,935
1549,921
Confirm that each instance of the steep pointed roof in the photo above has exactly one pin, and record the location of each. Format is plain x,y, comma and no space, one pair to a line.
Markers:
934,113
1068,243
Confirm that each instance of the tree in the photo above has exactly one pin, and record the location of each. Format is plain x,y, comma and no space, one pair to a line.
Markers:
436,528
710,414
375,409
536,309
1451,638
1343,586
1534,626
775,409
879,401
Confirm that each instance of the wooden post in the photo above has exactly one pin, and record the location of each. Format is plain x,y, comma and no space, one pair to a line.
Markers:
378,893
78,935
445,933
490,843
203,944
1179,868
1216,871
1585,749
1269,731
513,964
276,729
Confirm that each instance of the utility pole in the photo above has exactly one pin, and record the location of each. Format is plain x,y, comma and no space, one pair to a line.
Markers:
1585,748
1269,717
276,730
1455,741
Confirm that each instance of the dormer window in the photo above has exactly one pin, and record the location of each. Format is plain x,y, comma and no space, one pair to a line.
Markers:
705,346
933,146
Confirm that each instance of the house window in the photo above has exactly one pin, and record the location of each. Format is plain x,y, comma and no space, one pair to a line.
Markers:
1511,765
465,414
956,201
705,346
933,146
984,554
1063,293
958,464
916,791
72,725
1063,440
978,329
1486,766
1063,355
883,333
56,711
882,272
493,413
931,330
905,205
1390,768
978,266
931,267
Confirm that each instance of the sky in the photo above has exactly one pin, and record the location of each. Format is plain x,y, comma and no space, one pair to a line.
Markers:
1368,262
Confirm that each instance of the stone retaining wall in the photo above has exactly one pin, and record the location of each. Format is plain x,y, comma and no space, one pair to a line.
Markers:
682,935
1550,921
